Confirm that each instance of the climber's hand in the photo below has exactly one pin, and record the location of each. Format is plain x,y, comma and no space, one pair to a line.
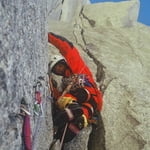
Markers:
80,122
73,112
73,115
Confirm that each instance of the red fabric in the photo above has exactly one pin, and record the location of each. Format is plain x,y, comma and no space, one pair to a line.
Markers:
27,133
98,97
38,97
86,112
76,64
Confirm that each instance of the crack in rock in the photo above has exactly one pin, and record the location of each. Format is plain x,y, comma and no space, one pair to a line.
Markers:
91,21
54,8
103,87
100,73
97,136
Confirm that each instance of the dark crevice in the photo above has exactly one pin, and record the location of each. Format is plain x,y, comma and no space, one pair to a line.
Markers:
97,136
60,15
82,34
100,73
91,22
62,1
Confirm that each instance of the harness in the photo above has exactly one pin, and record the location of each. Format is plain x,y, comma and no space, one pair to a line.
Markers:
80,88
79,81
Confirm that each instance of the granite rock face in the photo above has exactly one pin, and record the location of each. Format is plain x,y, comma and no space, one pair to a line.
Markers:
109,14
23,63
65,10
116,47
23,58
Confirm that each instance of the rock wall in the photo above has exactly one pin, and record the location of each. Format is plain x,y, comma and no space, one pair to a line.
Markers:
70,8
116,48
113,44
125,15
65,10
23,58
23,63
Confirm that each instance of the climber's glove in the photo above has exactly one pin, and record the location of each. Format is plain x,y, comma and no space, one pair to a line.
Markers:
80,122
64,101
72,113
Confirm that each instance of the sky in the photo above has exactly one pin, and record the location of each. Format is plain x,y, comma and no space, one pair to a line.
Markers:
144,14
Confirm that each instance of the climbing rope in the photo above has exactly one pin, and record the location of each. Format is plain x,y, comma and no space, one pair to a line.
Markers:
63,136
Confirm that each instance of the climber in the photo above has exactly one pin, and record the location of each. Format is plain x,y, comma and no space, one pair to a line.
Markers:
83,99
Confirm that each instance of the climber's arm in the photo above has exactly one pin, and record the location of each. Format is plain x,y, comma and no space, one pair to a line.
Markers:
71,54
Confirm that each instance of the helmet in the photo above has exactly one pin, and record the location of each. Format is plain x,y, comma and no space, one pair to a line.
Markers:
54,60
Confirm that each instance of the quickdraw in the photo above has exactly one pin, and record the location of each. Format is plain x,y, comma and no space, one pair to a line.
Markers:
38,107
38,96
27,137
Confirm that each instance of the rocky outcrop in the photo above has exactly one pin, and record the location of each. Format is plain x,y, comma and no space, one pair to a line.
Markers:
109,14
116,48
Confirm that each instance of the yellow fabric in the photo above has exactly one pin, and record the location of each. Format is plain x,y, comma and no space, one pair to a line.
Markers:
64,101
85,121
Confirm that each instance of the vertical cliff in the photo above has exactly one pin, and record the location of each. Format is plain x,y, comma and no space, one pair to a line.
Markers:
23,63
23,59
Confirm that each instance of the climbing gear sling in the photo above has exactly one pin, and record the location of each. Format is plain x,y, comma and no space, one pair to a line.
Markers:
38,107
26,129
39,102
